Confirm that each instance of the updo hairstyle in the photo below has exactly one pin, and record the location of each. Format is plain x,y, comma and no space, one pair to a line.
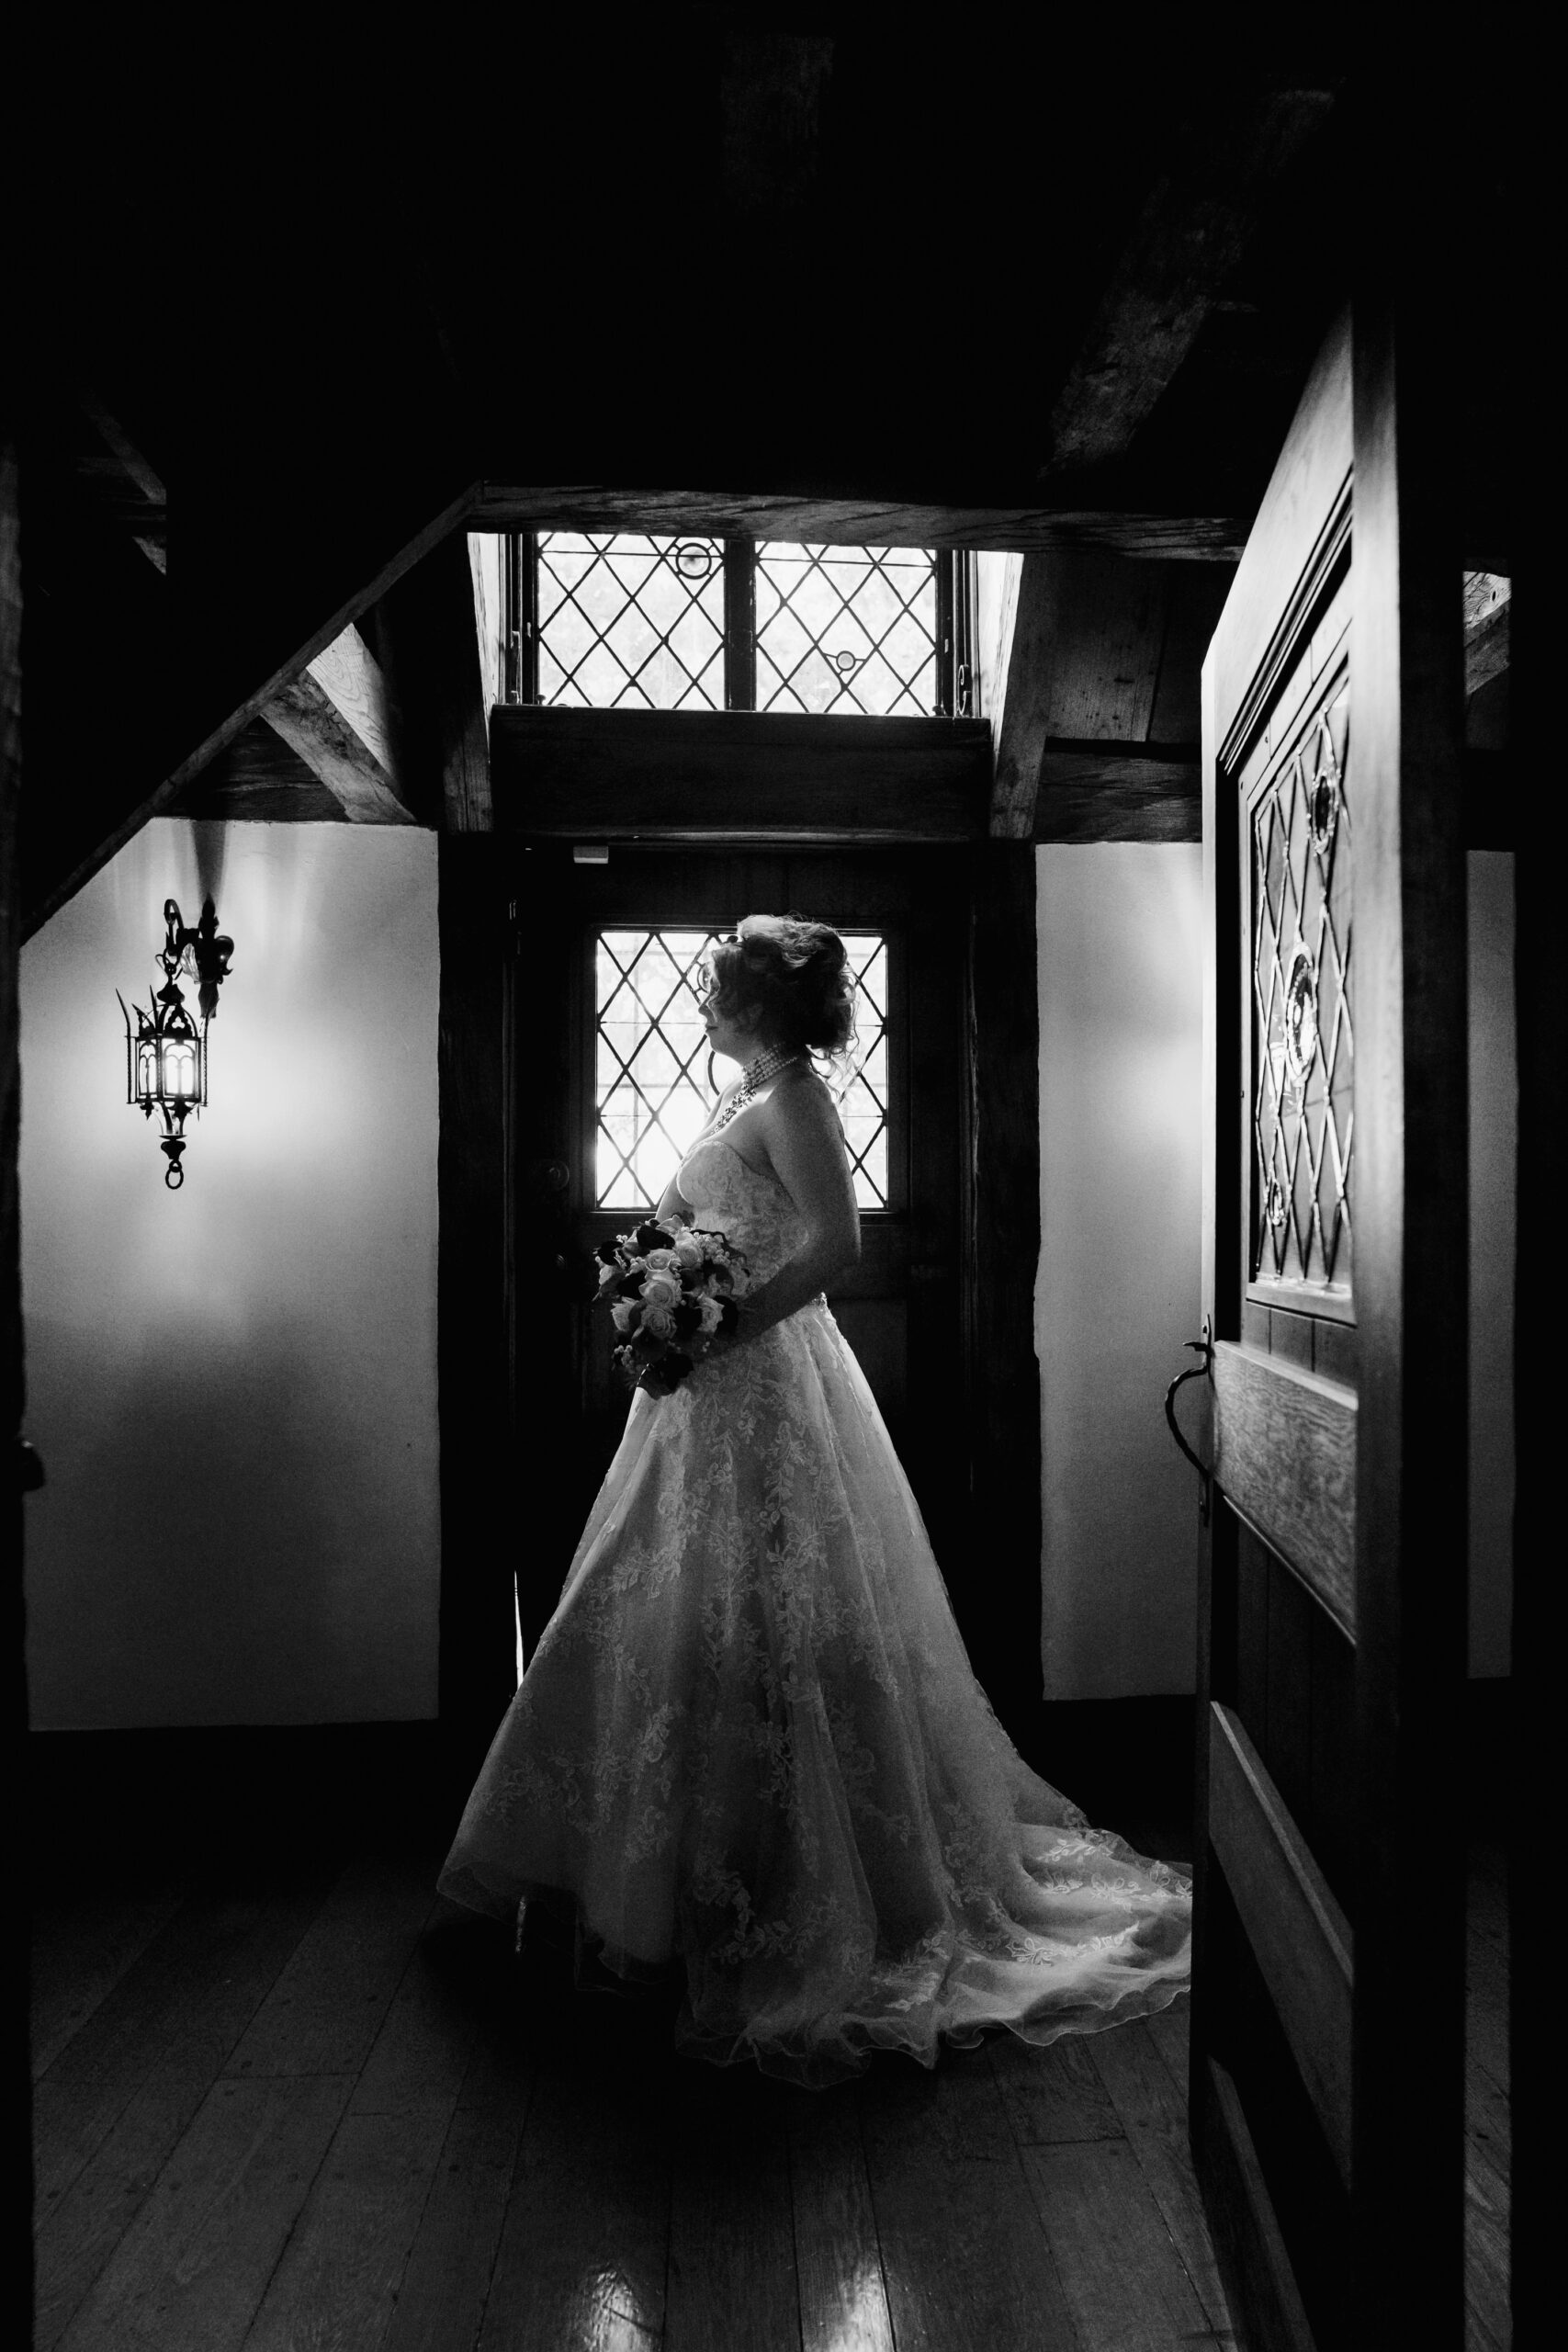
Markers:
794,976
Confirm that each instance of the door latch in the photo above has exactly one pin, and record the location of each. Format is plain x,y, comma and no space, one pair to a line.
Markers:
1204,1348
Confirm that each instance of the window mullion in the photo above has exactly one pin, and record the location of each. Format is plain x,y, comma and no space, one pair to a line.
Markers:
740,624
529,616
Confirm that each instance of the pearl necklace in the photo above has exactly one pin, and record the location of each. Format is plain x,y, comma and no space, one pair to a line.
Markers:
756,1074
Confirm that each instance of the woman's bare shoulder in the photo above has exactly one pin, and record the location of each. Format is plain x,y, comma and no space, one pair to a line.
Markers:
804,1101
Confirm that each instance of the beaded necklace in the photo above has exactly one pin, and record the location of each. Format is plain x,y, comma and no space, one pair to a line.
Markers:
756,1074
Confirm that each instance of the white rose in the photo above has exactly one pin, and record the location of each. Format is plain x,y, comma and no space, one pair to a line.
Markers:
710,1312
659,1260
688,1256
658,1321
662,1290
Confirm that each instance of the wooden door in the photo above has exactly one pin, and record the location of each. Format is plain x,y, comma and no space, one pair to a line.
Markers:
899,1308
1328,2016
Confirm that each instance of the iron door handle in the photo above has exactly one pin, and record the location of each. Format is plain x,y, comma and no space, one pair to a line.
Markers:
29,1467
1204,1347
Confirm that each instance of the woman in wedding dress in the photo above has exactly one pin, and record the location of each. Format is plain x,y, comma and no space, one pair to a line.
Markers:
749,1739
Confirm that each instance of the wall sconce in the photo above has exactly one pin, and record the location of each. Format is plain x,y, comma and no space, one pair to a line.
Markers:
165,1054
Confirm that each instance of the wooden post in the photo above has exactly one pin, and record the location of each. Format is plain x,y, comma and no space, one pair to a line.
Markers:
1001,1253
1412,1243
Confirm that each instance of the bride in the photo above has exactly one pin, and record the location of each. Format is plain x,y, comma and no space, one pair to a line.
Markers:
749,1739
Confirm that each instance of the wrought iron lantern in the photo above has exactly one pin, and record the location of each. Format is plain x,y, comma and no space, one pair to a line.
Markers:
165,1052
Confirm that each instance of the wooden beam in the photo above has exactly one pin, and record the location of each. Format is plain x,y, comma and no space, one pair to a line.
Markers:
429,634
1118,792
738,775
325,595
144,502
258,778
1083,666
335,717
1487,598
1027,526
1197,223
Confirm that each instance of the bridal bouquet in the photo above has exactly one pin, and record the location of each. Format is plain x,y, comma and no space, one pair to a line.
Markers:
672,1288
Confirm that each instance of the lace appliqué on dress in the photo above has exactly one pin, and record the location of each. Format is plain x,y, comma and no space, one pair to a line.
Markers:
750,1738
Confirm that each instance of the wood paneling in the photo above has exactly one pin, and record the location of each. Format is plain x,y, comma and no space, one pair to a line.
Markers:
1253,2259
738,775
1298,505
1297,1932
1286,1456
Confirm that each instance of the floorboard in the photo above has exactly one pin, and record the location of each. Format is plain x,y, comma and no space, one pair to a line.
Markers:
967,2263
837,2261
80,1953
1123,2278
341,2114
732,2271
190,2272
1153,2113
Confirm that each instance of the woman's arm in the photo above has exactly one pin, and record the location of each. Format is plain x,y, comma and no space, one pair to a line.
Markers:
673,1202
806,1147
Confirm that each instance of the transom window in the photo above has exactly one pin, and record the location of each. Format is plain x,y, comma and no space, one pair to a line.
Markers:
654,1090
625,620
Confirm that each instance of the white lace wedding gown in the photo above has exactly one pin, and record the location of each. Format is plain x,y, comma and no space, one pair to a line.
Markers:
750,1738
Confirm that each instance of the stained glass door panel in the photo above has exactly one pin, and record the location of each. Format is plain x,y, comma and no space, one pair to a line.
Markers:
1301,846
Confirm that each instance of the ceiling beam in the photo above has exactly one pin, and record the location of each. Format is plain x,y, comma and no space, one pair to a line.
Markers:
335,717
430,631
1083,666
838,521
1188,238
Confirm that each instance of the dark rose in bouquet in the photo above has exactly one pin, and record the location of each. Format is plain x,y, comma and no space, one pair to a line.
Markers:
671,1289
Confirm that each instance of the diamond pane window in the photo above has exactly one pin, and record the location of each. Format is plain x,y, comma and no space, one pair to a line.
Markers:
1303,1056
650,1061
846,628
630,622
652,1088
864,1110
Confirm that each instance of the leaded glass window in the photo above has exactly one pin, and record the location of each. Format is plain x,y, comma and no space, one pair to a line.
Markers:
654,1092
620,620
846,628
625,621
1303,1043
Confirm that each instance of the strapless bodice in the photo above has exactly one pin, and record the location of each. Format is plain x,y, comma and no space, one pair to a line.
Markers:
727,1195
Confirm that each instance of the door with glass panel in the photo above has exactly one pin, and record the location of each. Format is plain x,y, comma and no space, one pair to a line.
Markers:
624,1082
1327,2004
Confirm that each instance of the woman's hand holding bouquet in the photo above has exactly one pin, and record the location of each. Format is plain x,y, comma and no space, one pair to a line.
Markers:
671,1289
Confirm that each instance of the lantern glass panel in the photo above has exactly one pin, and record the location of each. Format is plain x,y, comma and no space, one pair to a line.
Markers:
179,1068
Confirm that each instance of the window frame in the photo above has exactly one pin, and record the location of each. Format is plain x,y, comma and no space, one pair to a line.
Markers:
954,576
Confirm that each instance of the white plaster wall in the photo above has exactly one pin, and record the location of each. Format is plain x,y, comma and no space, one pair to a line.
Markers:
1118,1290
1120,940
233,1388
1493,1152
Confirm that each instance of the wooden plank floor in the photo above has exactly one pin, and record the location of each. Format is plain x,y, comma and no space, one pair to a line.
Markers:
341,2114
